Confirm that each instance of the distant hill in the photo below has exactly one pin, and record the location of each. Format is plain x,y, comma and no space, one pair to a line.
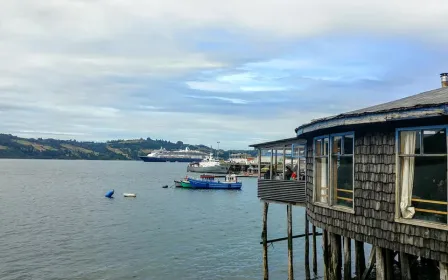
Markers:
29,148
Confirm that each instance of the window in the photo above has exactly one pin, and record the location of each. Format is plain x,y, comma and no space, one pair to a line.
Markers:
333,166
299,159
321,183
422,170
342,169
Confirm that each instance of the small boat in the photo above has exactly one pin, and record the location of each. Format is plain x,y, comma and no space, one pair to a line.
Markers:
129,195
208,182
185,183
178,184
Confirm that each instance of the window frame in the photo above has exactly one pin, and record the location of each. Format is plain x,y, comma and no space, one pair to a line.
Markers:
331,191
398,217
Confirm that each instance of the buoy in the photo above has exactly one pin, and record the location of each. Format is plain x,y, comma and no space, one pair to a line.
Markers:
129,195
166,186
109,194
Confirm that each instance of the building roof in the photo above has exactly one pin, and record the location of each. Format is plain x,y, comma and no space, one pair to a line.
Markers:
279,143
427,104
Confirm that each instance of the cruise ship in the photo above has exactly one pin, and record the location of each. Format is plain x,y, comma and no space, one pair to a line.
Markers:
163,155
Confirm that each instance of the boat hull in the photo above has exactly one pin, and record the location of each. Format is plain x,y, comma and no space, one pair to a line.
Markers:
206,184
167,159
210,169
177,184
185,184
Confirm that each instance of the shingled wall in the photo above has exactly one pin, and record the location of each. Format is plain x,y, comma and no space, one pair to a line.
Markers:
374,200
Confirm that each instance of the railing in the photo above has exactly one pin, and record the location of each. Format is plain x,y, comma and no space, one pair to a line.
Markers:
282,191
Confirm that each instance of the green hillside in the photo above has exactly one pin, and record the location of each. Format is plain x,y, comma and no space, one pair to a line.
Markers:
16,147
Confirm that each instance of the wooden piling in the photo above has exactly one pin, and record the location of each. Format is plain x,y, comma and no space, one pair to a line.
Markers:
405,267
360,261
335,257
347,258
443,267
389,260
325,249
380,264
314,250
307,248
290,252
265,243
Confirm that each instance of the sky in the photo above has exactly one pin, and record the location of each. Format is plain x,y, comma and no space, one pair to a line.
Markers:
201,71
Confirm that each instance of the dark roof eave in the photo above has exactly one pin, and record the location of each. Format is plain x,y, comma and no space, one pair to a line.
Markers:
279,143
417,112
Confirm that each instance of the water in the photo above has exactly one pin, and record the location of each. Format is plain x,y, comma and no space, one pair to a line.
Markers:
57,224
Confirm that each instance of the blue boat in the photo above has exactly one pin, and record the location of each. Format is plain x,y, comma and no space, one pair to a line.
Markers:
208,182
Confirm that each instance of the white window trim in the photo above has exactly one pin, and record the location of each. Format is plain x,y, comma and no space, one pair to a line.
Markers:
330,204
398,217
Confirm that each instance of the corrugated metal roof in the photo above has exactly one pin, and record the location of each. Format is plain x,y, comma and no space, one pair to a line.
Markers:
426,99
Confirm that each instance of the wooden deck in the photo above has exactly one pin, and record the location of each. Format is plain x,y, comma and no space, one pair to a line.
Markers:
280,191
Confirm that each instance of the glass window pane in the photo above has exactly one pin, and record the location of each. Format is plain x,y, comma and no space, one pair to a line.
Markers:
321,173
337,144
425,178
409,142
326,146
348,144
318,147
434,141
342,180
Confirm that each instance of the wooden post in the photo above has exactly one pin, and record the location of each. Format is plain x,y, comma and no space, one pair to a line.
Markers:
335,257
360,259
290,252
443,267
389,259
380,264
314,250
284,163
405,267
347,258
325,246
259,163
271,167
307,248
264,234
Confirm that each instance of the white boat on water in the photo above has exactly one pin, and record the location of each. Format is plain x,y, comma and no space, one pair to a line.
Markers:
129,195
208,165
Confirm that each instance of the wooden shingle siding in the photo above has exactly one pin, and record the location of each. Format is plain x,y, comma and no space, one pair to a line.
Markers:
374,203
282,191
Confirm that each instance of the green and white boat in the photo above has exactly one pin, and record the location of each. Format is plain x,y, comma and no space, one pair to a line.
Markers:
185,184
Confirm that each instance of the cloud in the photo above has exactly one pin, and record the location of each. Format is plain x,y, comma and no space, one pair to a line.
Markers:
96,70
226,99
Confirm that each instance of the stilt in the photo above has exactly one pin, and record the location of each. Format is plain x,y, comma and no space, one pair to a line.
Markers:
290,255
405,267
360,259
347,258
380,264
335,257
314,251
389,259
325,249
443,267
307,248
372,261
264,235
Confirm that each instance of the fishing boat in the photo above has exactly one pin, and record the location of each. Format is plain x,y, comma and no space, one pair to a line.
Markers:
129,195
209,182
185,183
178,184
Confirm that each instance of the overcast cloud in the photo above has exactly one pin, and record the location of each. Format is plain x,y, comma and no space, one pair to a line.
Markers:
203,71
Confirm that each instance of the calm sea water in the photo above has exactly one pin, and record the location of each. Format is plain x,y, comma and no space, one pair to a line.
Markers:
57,224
